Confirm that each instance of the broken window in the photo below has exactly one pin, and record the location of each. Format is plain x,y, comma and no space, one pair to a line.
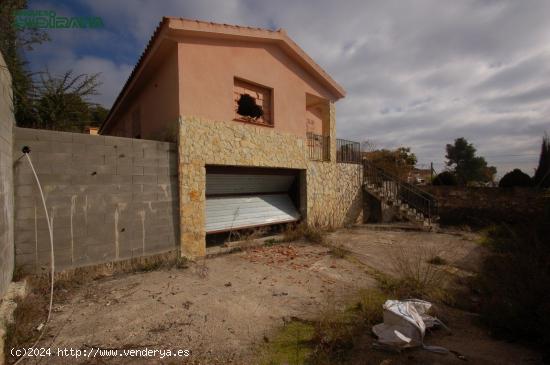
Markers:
247,107
252,102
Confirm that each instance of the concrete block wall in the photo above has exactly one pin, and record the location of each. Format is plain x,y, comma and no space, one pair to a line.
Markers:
7,122
109,199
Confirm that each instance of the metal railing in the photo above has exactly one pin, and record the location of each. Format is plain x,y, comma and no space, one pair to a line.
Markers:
318,147
348,151
392,188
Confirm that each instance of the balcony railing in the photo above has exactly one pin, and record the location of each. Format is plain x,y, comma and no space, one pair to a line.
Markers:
348,151
318,147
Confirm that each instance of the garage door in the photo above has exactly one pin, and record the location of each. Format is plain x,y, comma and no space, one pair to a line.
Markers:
235,201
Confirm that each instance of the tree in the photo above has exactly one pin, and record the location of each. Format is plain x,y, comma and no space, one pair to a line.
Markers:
445,178
12,42
398,162
542,173
98,114
515,178
465,164
62,101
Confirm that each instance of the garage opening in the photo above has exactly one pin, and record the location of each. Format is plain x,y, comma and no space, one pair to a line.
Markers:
244,198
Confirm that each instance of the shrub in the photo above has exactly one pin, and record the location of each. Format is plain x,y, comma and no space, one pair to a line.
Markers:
303,231
515,178
437,260
513,283
414,276
445,178
339,330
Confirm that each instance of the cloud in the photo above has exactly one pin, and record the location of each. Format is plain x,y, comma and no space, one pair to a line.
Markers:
417,73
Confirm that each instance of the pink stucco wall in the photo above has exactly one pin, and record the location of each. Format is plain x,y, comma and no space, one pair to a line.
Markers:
194,76
208,68
157,97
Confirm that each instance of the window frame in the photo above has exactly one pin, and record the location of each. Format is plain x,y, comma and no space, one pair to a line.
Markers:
243,119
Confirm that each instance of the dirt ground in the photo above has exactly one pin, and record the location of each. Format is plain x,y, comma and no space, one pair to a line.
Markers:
222,307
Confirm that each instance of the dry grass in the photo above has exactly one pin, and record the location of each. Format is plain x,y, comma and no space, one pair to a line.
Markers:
247,236
338,251
339,329
437,260
28,315
416,276
304,232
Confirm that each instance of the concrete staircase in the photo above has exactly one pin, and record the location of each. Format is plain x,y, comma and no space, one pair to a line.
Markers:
411,203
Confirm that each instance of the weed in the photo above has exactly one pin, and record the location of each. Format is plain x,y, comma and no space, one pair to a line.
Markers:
437,260
415,277
369,306
303,232
339,251
247,236
291,345
270,242
29,313
339,330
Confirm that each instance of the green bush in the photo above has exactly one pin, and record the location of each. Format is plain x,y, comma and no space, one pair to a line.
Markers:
445,178
514,281
515,178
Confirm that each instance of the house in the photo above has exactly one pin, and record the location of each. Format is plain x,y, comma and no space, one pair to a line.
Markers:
254,118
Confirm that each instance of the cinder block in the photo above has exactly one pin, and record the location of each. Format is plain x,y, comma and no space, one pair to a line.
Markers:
118,198
30,224
124,160
137,170
81,138
154,153
144,197
25,248
168,160
101,253
110,159
35,146
118,141
152,188
27,260
22,237
78,149
88,159
55,179
150,162
97,149
144,179
150,170
126,170
25,213
63,147
25,190
106,169
121,179
27,134
25,202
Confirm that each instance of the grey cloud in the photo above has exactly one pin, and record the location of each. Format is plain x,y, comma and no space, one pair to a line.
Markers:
417,73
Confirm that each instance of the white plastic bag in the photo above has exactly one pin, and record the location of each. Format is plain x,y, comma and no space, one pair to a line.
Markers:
405,324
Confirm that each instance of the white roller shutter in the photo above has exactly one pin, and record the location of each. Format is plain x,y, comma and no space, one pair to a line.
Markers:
235,201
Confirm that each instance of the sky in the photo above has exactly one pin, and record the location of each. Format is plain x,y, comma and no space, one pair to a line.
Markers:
417,73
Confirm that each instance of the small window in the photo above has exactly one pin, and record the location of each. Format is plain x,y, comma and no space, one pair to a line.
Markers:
252,103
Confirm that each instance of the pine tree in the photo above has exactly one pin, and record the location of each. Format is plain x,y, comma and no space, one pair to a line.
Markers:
542,174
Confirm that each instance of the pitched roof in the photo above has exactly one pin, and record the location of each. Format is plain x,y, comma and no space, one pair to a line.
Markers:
197,28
